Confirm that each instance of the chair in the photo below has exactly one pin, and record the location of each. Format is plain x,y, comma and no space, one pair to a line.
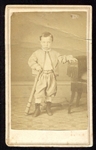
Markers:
78,73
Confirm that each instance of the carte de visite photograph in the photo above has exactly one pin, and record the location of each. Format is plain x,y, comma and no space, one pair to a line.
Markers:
48,57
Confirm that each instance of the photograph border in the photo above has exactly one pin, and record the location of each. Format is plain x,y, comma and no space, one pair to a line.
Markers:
80,138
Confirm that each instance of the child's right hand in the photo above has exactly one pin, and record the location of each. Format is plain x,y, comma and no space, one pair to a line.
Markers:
38,68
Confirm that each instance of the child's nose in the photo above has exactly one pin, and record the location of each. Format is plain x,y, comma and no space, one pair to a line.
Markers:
46,44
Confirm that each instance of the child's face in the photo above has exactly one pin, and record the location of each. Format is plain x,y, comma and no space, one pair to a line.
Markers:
46,43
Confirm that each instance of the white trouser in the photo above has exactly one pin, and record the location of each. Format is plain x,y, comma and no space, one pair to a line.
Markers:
48,99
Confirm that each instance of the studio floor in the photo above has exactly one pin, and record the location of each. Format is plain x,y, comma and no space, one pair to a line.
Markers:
60,120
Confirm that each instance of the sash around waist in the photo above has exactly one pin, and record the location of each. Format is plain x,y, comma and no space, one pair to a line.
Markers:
34,72
47,71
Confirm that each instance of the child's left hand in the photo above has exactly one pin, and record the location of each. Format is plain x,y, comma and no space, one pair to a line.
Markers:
71,59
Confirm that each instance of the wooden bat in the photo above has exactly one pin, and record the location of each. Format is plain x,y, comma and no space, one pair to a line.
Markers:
32,94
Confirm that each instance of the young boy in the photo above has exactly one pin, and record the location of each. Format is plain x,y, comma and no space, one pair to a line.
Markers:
46,60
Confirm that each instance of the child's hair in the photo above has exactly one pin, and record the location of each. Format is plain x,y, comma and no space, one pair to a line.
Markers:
46,34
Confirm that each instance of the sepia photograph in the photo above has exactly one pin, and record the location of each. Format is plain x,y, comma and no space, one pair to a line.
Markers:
48,75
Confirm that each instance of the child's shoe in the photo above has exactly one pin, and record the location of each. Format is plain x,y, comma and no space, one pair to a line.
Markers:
48,109
37,110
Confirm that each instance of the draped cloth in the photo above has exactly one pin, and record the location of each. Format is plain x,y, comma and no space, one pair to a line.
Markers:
72,70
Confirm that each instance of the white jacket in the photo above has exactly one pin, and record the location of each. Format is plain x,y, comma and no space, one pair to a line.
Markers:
38,59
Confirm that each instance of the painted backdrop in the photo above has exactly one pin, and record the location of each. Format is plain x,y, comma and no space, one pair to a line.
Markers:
68,29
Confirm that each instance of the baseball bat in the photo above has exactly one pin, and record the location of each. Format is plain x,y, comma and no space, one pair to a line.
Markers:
32,94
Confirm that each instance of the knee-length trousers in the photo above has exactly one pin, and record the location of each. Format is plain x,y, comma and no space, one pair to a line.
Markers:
46,87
